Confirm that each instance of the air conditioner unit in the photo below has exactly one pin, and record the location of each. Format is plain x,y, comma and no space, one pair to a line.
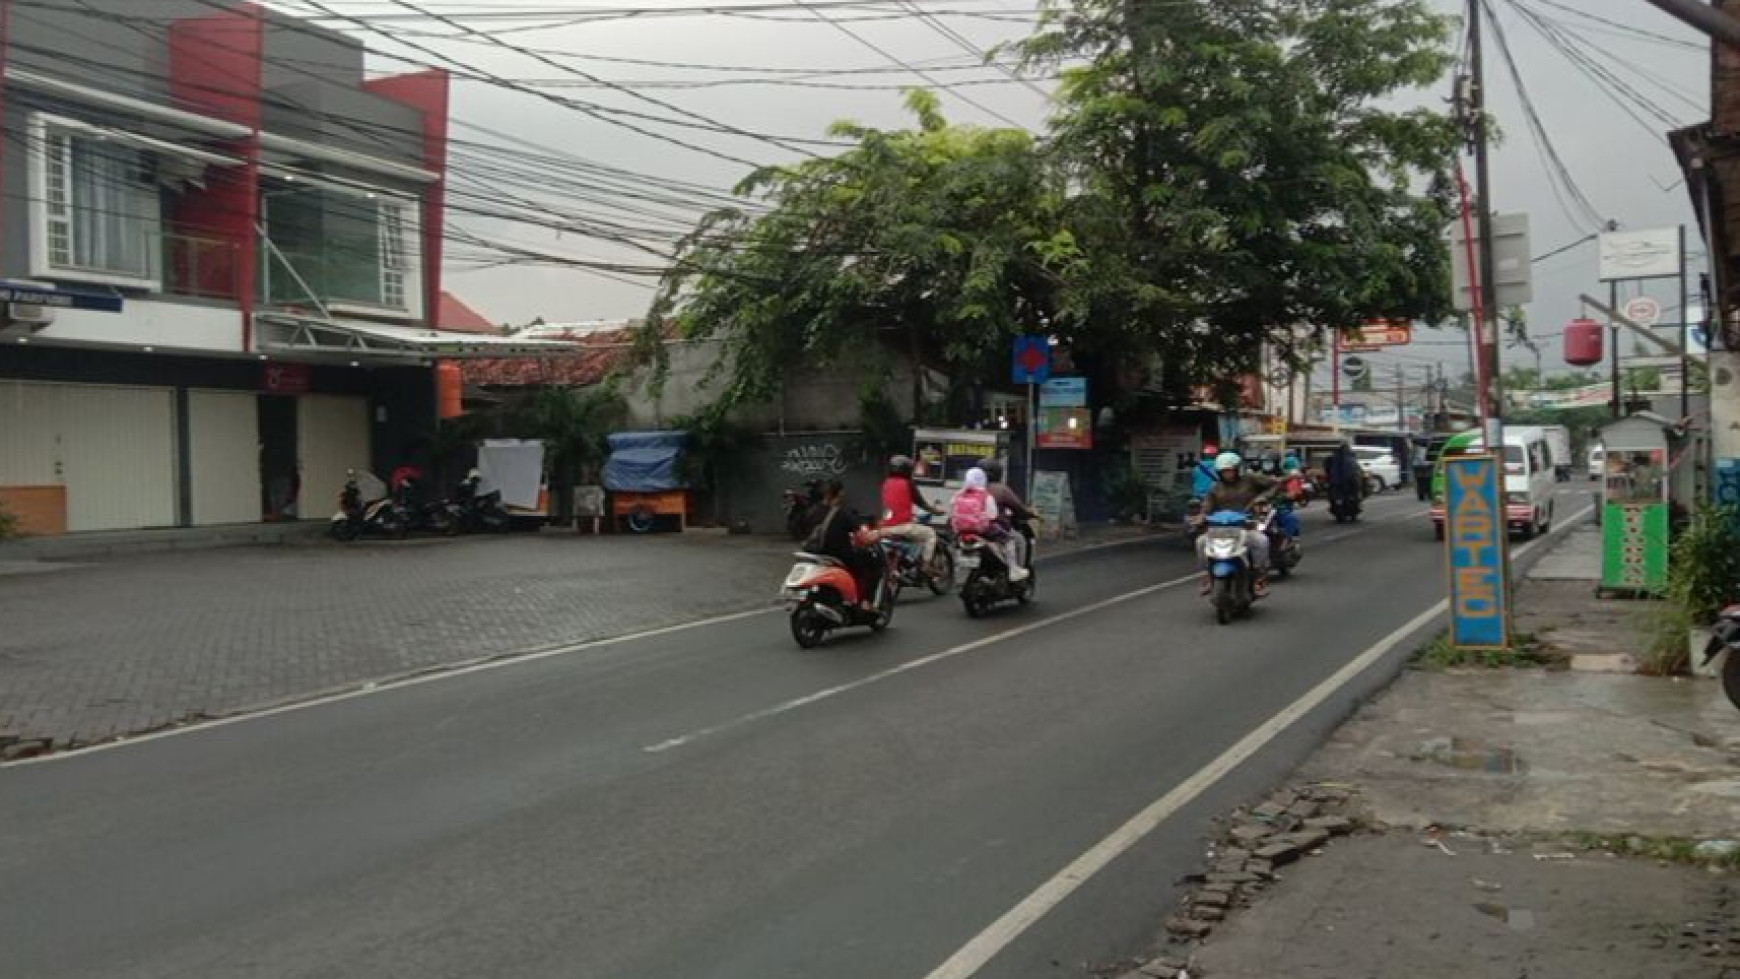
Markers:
28,315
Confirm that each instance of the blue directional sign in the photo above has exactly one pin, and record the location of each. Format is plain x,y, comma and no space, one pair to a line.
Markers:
1474,535
60,297
1032,360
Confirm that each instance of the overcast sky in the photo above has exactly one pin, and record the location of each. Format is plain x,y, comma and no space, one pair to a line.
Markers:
1623,165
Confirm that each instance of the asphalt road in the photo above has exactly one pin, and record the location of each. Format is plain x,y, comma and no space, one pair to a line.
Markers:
710,802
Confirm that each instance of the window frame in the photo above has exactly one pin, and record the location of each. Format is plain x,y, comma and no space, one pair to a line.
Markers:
408,209
43,127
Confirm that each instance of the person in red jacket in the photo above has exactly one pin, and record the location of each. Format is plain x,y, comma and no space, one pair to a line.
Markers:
900,502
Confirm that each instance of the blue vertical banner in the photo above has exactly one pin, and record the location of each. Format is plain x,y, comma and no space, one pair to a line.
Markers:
1474,535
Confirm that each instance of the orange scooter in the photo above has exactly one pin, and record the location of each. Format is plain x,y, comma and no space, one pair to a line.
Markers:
824,596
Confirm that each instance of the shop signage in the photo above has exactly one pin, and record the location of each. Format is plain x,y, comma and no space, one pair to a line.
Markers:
1065,428
1064,392
1378,334
56,297
287,379
1474,533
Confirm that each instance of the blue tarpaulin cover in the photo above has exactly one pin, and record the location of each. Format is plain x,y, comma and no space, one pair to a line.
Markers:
644,462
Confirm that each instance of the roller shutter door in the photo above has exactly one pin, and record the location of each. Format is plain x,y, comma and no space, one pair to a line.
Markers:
113,447
223,435
332,435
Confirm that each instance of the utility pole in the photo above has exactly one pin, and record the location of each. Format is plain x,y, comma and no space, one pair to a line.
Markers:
1401,397
1491,395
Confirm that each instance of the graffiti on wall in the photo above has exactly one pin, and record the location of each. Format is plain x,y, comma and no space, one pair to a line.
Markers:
814,460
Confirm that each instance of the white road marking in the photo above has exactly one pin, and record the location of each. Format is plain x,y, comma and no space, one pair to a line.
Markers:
1003,932
923,661
374,687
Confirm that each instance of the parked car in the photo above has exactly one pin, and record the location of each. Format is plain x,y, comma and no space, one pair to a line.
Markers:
1382,471
1597,460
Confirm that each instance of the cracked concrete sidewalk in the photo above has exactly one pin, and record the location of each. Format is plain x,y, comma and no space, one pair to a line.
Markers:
1511,817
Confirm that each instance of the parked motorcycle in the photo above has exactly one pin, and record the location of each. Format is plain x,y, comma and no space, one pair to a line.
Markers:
364,506
1232,578
909,569
477,510
437,516
803,508
984,573
1284,550
1726,635
823,595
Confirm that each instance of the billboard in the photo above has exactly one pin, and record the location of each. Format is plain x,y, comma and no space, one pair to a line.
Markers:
1650,254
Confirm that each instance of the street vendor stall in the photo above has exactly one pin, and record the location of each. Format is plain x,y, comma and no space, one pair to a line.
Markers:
646,490
1635,498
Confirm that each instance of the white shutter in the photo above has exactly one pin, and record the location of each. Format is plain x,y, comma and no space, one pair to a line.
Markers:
332,436
223,434
112,447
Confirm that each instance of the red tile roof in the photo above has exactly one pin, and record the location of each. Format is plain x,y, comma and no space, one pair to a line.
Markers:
602,352
455,315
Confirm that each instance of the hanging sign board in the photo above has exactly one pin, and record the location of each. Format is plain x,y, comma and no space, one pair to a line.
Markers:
286,379
1064,392
1065,428
1653,253
1378,334
1474,534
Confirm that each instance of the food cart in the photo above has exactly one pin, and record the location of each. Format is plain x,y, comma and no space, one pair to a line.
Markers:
642,477
1635,496
942,456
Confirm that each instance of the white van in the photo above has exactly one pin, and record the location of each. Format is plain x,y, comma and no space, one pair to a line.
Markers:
1529,482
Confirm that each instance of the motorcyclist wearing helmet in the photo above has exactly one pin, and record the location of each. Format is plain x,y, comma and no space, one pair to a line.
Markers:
1238,490
900,500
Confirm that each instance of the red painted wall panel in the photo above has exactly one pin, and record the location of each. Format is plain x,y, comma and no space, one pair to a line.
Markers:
427,92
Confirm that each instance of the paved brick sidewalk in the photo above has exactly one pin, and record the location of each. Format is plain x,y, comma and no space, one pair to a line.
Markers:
136,643
98,650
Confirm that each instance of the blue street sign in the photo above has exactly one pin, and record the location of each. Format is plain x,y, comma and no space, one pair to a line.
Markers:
1032,360
1474,534
1063,392
59,297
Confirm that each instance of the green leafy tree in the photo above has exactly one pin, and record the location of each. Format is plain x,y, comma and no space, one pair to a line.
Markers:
940,241
1237,173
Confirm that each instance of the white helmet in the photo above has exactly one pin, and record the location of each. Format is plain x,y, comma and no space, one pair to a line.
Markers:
1227,460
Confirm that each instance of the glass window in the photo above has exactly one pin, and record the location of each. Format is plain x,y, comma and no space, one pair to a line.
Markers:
102,208
1514,460
346,248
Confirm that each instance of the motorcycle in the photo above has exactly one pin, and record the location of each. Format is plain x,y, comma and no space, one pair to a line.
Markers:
1284,550
823,595
364,506
1345,507
1232,579
438,516
984,573
909,569
1725,634
477,510
803,508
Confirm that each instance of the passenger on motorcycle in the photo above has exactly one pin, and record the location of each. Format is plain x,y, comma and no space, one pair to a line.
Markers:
1017,516
974,511
1237,490
900,497
836,537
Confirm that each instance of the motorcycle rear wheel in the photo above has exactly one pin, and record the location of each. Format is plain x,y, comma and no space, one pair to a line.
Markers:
344,530
942,572
1222,598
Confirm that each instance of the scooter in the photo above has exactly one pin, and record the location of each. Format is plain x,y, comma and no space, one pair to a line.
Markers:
1232,579
438,516
478,510
823,595
355,516
984,574
1726,635
909,569
1284,550
1345,507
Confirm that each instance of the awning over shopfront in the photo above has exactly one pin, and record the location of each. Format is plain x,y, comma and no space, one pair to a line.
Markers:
301,335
